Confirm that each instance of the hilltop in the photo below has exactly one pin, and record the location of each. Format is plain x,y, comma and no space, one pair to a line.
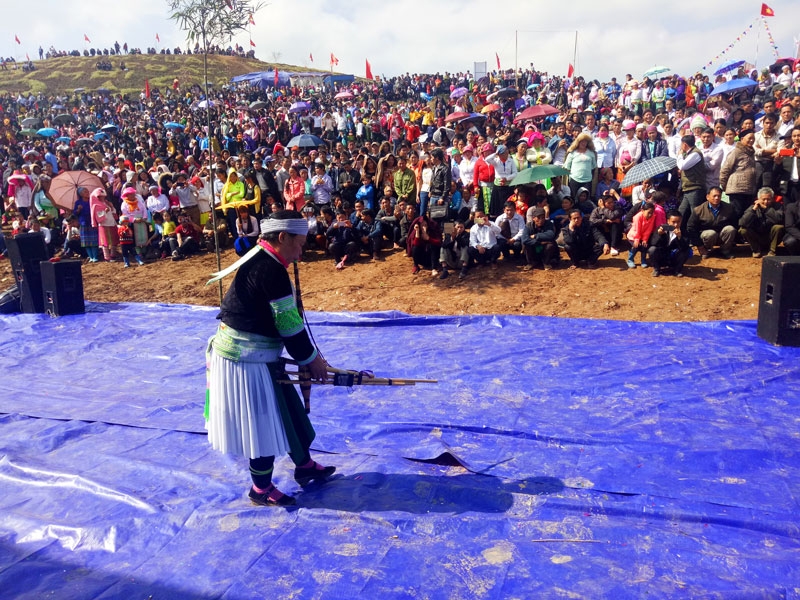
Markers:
59,75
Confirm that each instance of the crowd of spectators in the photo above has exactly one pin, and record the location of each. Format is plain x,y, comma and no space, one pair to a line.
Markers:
393,168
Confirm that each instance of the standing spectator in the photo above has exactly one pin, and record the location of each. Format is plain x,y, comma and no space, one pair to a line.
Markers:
693,176
787,169
126,243
582,163
104,218
737,177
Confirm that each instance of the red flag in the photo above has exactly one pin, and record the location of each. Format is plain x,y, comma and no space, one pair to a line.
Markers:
86,37
766,11
158,39
311,56
146,88
28,58
16,39
252,21
252,43
497,56
276,76
229,3
570,70
334,60
369,71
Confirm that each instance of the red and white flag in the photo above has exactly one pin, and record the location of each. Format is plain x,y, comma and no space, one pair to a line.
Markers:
497,56
766,11
158,39
334,60
86,37
252,20
252,43
369,71
311,57
16,39
276,76
570,71
28,58
146,88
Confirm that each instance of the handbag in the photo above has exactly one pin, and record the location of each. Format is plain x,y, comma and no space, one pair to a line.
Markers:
438,211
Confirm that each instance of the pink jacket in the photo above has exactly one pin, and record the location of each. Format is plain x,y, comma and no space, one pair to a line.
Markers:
641,227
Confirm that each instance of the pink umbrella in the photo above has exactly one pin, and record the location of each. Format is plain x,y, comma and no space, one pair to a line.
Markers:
536,112
345,95
456,116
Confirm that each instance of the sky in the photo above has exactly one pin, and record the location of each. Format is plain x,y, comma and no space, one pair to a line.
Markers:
614,37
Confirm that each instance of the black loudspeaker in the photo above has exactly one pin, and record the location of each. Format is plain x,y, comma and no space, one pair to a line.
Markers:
26,251
9,301
62,288
779,304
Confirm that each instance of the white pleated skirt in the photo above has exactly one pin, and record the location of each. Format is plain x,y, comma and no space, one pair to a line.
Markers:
243,415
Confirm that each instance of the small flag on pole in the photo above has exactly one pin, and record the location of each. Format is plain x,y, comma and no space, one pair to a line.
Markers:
311,56
369,71
146,88
158,39
497,56
766,11
570,71
252,21
16,39
276,76
86,37
252,43
28,58
334,60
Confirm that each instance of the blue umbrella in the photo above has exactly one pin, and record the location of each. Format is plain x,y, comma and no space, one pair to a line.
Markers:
299,107
728,66
110,128
47,132
100,136
656,71
64,138
473,117
173,125
533,86
734,85
424,96
305,141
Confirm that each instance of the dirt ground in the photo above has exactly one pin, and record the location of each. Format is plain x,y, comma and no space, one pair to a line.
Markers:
716,289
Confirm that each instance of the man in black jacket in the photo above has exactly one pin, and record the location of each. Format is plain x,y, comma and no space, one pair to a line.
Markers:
762,224
583,243
440,180
455,251
791,240
668,248
712,224
266,183
539,242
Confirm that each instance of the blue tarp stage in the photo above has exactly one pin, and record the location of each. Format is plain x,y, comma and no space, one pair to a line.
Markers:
555,458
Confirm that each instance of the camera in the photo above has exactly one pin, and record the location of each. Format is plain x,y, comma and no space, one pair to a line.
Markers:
666,227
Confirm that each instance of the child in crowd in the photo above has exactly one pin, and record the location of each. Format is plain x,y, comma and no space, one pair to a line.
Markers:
642,228
168,234
125,232
72,238
247,230
366,193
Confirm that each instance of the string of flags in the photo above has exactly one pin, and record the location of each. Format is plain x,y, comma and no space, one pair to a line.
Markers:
741,36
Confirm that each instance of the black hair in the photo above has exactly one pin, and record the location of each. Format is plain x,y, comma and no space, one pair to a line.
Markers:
509,204
368,212
674,213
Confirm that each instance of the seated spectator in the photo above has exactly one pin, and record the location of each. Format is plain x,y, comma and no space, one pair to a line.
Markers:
583,244
342,240
188,237
762,224
711,224
425,241
247,231
389,219
370,234
791,240
668,248
512,226
642,227
607,218
455,251
539,241
405,227
483,245
561,217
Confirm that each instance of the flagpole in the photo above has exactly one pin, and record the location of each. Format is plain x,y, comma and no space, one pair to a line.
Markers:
758,39
516,57
575,52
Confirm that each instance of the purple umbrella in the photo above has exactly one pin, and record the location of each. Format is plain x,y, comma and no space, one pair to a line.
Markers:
299,107
519,103
459,92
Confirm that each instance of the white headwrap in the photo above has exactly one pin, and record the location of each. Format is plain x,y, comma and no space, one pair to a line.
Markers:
294,226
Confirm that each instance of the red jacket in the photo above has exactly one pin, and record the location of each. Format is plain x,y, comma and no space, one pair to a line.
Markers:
484,172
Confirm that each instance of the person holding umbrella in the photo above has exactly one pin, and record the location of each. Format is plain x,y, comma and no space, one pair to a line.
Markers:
104,218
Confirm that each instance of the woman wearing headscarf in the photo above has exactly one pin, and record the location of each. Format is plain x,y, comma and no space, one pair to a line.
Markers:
582,163
737,176
104,218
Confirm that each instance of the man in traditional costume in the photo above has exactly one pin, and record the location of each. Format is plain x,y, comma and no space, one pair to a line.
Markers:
247,411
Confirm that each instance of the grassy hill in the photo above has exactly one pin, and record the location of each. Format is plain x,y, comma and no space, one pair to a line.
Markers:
59,75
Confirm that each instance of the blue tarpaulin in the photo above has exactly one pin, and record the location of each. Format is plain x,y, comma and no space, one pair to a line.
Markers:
555,458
